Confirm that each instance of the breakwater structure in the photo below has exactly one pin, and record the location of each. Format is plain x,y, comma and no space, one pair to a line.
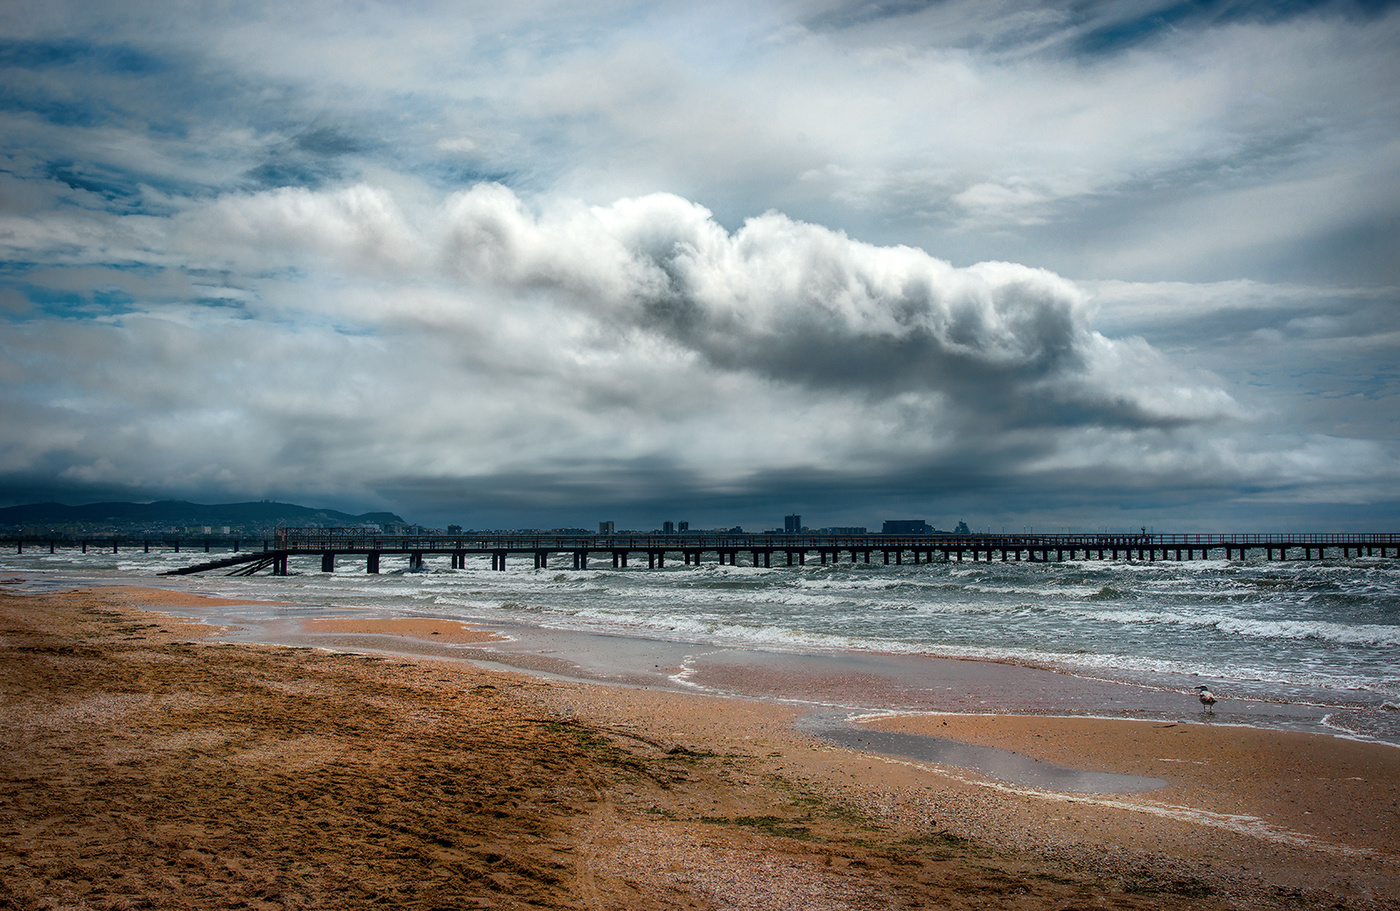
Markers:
693,548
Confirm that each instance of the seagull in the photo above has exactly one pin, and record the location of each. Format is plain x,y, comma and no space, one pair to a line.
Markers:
1207,698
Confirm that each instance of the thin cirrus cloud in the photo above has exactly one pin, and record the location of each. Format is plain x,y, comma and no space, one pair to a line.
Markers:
1114,263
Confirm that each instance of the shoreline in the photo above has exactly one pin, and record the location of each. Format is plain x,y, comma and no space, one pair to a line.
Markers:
855,679
582,653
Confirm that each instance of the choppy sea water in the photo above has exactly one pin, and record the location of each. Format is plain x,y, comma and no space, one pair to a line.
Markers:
1324,634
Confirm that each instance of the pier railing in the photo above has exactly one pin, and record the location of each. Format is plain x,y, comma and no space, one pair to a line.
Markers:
354,539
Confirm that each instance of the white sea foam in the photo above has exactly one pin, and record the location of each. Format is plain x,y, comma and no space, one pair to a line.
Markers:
1331,627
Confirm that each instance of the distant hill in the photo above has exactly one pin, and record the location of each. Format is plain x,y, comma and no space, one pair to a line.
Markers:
179,512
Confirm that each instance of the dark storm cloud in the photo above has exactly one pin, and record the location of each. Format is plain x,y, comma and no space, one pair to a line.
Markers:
804,305
862,260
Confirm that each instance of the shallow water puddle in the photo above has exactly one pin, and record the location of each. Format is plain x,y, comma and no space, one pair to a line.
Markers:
1003,765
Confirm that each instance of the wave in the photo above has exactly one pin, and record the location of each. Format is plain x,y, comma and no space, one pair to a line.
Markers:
1381,635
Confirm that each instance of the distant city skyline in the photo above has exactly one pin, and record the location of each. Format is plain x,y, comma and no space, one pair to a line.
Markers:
1102,265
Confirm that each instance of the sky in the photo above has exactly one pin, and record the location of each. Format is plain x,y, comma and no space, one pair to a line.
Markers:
1065,266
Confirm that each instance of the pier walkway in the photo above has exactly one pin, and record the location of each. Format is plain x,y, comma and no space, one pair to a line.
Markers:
694,548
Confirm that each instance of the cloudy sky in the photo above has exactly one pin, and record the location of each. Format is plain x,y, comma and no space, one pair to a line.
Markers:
1079,265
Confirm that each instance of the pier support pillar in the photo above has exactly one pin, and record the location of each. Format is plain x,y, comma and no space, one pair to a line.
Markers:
415,561
651,559
327,563
372,563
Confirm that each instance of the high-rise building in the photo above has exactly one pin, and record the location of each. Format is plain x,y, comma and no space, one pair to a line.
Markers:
683,527
792,524
668,528
605,528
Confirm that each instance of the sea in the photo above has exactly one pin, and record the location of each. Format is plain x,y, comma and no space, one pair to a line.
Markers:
1320,635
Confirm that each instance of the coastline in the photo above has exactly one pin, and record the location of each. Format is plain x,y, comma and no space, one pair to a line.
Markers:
1280,815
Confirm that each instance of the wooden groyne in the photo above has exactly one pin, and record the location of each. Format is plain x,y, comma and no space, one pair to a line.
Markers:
695,548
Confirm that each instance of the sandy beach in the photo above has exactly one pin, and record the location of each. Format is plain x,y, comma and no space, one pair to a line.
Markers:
148,764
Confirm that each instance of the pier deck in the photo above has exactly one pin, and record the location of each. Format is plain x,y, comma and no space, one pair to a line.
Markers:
693,548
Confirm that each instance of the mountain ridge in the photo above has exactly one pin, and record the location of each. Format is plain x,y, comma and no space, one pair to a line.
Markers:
183,512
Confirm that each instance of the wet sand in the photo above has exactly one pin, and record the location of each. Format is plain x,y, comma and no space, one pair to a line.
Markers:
410,627
146,764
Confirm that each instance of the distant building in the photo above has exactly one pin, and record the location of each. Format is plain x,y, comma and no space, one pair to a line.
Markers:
792,524
845,530
668,528
606,528
454,529
961,529
684,527
906,527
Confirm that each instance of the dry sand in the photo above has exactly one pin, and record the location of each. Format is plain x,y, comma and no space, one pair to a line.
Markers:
142,765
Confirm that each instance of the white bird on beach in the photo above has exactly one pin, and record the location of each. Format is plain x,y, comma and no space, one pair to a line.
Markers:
1207,698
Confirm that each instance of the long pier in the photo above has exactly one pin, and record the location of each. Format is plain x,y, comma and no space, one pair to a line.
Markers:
695,548
116,543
